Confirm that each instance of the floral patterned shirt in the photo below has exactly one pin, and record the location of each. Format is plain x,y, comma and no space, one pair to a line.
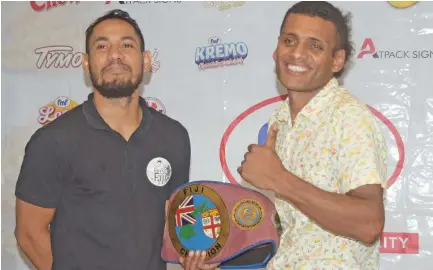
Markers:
336,145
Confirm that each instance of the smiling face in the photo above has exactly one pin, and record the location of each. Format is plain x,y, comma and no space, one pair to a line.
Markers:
306,57
115,61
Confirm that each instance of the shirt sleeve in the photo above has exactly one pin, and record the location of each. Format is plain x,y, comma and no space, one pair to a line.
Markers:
182,174
186,162
362,151
39,178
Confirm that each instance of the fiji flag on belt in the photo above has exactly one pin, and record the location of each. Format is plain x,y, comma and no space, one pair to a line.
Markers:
184,212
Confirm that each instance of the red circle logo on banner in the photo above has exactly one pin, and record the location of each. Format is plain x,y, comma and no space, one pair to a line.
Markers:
258,106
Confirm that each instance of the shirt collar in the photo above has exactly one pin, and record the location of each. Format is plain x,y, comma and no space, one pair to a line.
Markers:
96,121
313,108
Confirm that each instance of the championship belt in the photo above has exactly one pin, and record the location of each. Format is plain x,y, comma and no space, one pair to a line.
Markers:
236,226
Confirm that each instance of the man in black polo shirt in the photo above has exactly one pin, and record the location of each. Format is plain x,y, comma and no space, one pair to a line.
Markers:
93,185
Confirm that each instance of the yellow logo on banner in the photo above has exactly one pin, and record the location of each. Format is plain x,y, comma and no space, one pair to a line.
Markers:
52,110
223,5
402,4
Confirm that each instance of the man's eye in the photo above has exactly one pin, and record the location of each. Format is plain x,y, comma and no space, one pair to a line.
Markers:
317,47
289,41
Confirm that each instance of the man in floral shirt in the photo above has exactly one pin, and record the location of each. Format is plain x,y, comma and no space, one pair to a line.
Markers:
325,157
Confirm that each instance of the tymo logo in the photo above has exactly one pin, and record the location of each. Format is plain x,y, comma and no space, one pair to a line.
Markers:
262,134
58,57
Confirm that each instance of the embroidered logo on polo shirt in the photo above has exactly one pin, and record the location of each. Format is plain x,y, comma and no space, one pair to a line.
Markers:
159,171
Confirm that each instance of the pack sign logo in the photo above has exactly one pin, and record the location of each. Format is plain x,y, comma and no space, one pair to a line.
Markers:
217,54
368,48
53,110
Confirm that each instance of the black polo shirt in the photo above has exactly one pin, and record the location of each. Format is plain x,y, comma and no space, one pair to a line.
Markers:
109,193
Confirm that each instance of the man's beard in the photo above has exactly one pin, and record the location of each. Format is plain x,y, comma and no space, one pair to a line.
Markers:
117,88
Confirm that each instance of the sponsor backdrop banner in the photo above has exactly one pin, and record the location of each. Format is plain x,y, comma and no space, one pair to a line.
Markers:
213,71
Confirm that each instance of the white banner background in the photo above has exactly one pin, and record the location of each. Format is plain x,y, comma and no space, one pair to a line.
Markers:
208,101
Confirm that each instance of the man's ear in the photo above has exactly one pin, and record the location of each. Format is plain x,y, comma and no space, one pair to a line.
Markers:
85,62
338,61
147,58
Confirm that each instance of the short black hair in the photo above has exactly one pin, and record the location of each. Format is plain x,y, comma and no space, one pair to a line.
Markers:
115,14
328,12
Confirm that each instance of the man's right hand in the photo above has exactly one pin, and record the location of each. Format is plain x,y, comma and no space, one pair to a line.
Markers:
32,233
195,261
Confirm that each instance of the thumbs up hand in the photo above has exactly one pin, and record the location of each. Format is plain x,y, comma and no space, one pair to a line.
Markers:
155,63
261,166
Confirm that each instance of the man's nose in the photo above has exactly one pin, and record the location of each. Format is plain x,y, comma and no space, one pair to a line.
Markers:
300,51
115,53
